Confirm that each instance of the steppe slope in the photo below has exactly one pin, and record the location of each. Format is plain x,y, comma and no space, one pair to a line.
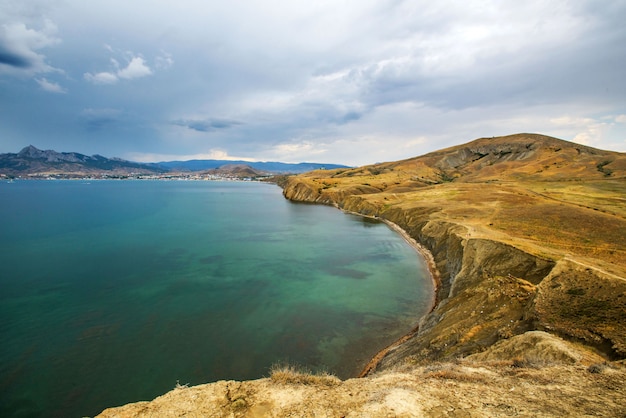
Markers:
527,235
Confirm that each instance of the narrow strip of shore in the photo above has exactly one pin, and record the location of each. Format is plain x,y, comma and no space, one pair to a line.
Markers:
434,275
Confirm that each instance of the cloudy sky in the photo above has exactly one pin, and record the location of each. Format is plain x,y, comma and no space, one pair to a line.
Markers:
353,81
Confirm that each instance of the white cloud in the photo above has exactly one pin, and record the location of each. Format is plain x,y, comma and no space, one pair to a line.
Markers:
587,131
136,68
213,154
620,119
297,148
164,61
50,86
101,78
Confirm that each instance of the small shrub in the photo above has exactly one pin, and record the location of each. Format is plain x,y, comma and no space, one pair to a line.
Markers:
597,368
530,362
288,374
576,292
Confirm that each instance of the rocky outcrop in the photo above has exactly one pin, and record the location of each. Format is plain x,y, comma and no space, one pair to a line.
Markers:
551,378
538,348
585,303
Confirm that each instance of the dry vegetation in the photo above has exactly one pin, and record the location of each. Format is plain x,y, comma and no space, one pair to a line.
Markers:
527,387
559,203
289,375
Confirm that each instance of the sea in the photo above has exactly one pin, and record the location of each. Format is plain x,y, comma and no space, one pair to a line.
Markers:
116,291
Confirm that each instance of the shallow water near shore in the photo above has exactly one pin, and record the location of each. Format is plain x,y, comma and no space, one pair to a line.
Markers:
113,291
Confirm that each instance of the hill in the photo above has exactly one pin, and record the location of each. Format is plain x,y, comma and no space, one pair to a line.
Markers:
236,171
526,215
521,157
262,166
525,238
31,161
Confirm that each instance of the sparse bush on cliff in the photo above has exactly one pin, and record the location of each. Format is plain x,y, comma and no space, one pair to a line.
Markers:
289,374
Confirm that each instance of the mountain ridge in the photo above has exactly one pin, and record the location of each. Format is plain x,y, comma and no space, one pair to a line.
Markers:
31,161
267,166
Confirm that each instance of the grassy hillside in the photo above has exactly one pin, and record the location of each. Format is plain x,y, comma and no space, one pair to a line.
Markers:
528,232
531,190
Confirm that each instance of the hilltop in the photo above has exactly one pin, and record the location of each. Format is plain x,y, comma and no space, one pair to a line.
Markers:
524,235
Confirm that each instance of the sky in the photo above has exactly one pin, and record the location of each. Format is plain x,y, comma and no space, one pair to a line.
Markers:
345,81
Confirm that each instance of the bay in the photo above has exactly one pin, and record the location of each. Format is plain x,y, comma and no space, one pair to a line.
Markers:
115,291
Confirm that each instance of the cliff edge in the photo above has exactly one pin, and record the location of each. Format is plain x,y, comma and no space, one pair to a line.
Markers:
526,231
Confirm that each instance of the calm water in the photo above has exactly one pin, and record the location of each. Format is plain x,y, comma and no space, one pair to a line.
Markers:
112,291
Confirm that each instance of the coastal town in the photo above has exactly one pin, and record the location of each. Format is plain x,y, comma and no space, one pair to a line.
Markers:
191,176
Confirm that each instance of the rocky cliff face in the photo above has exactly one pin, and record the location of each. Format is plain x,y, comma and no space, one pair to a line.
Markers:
488,289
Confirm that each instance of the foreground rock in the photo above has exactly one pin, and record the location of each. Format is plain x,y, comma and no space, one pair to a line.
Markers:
547,377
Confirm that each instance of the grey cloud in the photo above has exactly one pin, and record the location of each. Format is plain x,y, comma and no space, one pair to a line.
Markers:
351,116
98,119
313,73
19,43
13,60
206,125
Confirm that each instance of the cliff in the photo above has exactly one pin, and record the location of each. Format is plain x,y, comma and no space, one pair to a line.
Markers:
526,235
515,250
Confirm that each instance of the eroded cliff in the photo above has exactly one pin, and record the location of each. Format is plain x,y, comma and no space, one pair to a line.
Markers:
489,288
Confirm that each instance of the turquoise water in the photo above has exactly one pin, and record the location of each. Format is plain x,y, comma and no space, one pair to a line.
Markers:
113,291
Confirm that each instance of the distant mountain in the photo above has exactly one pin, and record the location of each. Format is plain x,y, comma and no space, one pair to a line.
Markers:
34,162
270,167
31,161
236,171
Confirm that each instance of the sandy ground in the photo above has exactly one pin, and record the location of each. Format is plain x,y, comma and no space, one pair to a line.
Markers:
466,389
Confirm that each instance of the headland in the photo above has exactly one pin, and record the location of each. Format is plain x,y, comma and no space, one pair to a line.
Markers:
526,234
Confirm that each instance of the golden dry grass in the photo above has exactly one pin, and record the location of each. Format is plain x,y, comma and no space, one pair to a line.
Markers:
554,200
290,375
